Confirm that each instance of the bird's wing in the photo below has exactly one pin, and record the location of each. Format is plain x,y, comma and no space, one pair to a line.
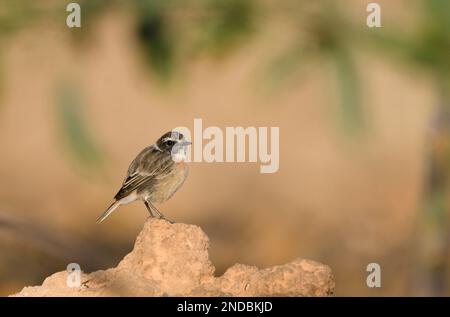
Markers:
149,166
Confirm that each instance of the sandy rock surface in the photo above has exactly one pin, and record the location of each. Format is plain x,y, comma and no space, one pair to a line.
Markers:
173,260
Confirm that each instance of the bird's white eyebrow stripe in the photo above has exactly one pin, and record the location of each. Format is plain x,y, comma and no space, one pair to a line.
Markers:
170,138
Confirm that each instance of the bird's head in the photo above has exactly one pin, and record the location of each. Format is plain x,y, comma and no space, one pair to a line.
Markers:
173,142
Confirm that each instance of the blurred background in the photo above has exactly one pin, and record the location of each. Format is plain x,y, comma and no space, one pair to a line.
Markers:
364,133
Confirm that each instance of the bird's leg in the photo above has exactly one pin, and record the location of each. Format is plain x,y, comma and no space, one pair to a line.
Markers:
154,209
150,211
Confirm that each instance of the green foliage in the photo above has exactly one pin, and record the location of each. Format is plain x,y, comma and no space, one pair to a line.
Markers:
74,130
428,47
164,27
351,114
15,15
167,29
326,41
226,23
155,36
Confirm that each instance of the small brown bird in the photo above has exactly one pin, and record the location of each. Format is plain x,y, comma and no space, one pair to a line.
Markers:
154,175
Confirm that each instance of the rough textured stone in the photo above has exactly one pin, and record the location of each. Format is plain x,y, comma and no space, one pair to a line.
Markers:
173,260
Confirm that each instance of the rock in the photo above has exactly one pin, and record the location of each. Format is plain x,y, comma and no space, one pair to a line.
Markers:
173,260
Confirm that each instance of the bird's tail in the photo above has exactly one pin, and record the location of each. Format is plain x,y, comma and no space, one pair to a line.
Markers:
108,211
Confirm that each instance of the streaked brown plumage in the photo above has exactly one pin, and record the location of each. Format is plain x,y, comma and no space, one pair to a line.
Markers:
156,173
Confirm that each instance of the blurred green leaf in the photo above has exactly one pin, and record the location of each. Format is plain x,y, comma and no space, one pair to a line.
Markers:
15,14
350,114
155,37
439,11
73,126
227,21
282,67
428,47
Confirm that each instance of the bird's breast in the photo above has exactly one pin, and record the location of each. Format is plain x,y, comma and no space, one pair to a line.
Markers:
168,185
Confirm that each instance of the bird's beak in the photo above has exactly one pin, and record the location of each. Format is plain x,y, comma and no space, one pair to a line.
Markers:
185,143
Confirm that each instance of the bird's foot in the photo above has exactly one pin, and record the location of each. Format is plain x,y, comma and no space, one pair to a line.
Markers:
166,219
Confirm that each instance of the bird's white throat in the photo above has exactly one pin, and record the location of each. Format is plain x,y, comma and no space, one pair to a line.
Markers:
178,154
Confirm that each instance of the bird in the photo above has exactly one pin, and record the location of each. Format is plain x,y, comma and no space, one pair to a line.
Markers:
156,173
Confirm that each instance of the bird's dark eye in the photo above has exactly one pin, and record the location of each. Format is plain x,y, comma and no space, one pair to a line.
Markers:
170,143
